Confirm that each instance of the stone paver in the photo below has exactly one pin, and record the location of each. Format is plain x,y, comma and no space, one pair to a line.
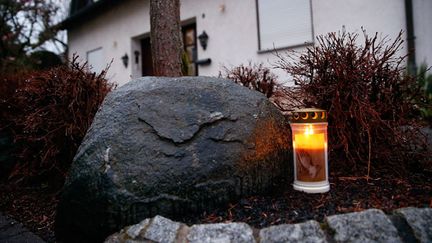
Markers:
420,220
14,232
404,225
220,233
368,226
307,232
162,230
135,230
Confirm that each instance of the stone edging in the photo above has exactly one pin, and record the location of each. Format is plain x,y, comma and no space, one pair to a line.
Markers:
13,231
403,225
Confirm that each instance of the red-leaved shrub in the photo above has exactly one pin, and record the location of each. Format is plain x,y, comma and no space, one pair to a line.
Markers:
254,76
369,97
48,113
372,102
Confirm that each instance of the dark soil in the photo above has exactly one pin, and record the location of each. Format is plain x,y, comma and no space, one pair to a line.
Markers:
35,206
347,194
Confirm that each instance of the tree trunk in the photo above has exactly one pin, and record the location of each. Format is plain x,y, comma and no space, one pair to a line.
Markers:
166,38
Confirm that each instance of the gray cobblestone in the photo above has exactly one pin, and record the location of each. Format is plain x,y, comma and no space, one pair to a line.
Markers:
420,221
220,233
309,231
14,232
368,226
136,229
162,230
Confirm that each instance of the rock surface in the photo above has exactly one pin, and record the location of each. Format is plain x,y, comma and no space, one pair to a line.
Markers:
232,232
162,230
420,221
7,160
368,226
14,232
171,146
307,232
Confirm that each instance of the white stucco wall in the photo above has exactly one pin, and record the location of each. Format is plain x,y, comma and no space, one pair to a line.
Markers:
233,33
382,16
423,31
112,31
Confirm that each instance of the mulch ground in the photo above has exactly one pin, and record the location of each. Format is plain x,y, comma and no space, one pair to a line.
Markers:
347,194
35,206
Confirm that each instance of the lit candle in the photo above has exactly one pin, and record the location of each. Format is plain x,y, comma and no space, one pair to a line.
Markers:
309,129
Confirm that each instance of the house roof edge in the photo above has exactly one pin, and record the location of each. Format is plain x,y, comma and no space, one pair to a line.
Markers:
87,13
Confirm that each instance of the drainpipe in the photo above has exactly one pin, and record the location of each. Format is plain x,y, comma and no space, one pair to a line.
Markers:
412,67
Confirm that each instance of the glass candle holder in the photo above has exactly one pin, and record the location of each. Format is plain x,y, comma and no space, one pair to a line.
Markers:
309,135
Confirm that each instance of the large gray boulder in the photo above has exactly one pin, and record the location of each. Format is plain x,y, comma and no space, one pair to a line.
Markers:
171,146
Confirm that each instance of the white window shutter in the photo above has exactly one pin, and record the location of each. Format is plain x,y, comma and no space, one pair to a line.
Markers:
95,60
284,23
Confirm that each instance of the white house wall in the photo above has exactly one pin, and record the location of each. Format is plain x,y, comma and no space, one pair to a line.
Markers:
112,31
382,16
423,31
232,29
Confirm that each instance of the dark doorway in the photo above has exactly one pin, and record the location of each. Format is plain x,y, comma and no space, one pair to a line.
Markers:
147,64
190,48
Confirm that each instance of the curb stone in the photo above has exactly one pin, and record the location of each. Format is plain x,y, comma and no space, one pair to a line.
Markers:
231,232
368,226
420,221
371,225
13,232
162,230
307,232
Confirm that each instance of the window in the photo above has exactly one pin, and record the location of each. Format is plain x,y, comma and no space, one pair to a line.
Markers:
77,5
284,23
95,60
190,47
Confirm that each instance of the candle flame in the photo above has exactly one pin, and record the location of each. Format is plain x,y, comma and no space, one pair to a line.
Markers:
309,130
310,137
